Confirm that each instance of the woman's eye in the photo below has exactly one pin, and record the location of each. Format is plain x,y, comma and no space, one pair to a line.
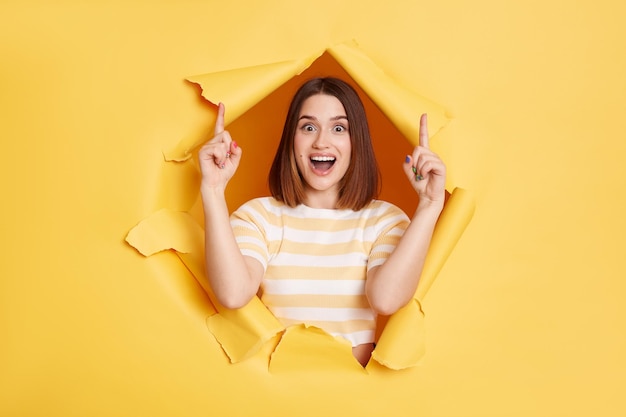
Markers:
308,128
340,129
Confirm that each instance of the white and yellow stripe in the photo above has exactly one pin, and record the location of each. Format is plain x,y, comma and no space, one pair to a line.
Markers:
316,260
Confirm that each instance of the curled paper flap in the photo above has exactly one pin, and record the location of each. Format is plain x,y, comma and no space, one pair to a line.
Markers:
309,348
455,217
242,88
402,106
401,344
164,230
241,332
239,89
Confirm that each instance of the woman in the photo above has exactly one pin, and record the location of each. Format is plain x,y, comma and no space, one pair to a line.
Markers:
322,249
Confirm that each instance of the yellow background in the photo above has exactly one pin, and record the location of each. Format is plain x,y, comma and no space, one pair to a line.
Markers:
527,316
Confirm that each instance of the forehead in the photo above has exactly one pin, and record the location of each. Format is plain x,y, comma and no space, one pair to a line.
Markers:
321,106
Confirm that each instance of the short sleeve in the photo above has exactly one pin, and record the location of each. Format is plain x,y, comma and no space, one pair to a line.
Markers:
249,224
391,224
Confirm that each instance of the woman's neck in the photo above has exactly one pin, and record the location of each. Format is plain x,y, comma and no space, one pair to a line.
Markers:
321,199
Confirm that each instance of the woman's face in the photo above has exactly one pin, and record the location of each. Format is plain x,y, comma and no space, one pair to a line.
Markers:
322,148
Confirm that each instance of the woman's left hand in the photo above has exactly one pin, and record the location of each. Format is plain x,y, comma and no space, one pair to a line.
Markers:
425,170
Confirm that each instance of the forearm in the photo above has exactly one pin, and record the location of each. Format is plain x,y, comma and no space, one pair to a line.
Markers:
391,286
226,268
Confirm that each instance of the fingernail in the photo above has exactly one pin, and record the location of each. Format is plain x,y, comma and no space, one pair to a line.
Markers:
414,170
234,144
407,159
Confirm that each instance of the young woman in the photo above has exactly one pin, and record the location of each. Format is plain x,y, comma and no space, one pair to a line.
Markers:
322,249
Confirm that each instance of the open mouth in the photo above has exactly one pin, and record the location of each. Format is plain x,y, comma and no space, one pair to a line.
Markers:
322,163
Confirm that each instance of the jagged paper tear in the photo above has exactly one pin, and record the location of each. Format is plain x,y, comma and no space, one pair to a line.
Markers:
243,332
241,89
401,344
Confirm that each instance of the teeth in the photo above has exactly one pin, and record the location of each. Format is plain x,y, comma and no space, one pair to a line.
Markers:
322,158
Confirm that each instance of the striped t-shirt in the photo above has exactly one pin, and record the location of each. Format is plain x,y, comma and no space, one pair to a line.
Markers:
316,260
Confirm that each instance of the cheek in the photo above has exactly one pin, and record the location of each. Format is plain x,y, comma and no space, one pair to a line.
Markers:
297,146
347,148
300,160
298,151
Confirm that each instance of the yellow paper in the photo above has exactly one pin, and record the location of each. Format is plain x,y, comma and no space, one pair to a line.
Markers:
163,230
239,89
310,349
92,93
241,332
402,342
242,88
402,106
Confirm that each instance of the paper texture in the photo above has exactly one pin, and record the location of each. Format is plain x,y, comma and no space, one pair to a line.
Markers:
402,342
93,92
242,333
398,103
242,88
311,349
239,89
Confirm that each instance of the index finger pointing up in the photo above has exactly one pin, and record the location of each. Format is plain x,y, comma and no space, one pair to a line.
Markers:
219,123
424,131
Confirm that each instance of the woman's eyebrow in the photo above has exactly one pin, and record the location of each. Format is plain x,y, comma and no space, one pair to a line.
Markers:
306,116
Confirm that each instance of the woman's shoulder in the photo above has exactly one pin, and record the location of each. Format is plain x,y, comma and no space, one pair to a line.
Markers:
261,211
383,207
262,204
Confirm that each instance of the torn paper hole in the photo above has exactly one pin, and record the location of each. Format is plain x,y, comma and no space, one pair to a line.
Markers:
244,332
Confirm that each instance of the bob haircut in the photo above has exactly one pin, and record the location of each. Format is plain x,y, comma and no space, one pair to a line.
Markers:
360,183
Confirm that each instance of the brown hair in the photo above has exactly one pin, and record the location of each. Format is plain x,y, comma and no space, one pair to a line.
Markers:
360,183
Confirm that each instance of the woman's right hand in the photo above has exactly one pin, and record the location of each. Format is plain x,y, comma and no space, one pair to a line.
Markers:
220,157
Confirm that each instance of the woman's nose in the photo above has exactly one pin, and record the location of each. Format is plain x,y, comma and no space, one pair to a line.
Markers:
321,141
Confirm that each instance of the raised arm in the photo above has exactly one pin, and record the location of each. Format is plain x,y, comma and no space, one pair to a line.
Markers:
234,278
391,285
